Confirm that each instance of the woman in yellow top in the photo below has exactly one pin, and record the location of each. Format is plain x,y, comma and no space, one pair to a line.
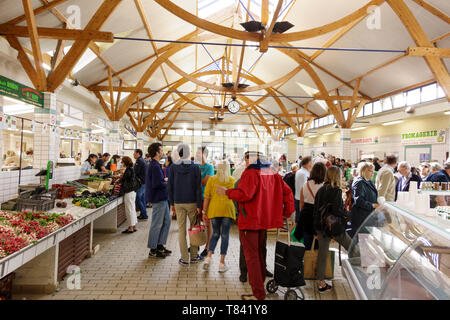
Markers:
221,211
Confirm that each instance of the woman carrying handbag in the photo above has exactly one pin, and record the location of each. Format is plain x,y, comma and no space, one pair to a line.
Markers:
329,221
129,185
305,228
221,211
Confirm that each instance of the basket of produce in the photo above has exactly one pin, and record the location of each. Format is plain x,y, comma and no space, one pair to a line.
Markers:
6,286
91,200
64,190
20,229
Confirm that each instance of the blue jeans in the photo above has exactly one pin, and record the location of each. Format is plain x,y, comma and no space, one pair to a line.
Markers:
221,229
140,201
159,229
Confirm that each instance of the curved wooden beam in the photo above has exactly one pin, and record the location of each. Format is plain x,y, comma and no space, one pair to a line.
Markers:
256,37
211,86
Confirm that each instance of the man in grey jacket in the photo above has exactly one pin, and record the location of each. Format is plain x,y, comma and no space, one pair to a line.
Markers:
385,181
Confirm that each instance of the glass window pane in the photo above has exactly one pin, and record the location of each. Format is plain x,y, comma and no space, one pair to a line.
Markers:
399,100
386,103
180,132
316,123
413,97
429,92
235,134
368,109
172,132
377,106
242,134
227,134
188,132
197,133
252,135
219,134
345,114
361,113
440,92
330,119
320,122
206,133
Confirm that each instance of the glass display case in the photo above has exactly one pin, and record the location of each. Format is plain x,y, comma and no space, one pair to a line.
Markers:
400,254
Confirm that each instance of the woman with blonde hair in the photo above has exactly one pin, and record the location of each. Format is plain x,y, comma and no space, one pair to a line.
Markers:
221,211
365,195
329,202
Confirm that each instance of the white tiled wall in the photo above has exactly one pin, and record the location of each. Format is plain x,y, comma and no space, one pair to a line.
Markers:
9,180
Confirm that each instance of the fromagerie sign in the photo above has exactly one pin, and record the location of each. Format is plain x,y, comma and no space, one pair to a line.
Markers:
424,137
20,92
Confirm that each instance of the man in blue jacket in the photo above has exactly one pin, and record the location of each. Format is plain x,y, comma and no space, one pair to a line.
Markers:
156,194
185,197
139,169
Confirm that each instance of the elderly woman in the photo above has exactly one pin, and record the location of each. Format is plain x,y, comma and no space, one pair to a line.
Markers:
434,168
364,194
404,168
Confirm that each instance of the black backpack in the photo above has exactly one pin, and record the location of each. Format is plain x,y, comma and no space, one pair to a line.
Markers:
332,225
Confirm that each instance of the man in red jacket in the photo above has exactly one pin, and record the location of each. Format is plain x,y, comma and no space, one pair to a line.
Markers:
264,198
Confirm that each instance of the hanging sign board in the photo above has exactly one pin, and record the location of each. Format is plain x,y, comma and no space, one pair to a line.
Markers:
366,140
424,137
20,92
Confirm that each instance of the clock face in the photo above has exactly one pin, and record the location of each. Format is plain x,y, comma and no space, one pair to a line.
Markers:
233,106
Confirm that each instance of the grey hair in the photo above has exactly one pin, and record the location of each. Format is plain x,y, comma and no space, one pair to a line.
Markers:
435,166
405,164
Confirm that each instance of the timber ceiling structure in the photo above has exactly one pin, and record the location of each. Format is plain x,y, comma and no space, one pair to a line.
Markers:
368,50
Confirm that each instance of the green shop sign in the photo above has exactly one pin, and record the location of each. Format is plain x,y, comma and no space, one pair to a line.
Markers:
424,134
424,137
20,92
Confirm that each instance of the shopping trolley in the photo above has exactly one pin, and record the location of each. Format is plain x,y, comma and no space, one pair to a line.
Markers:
288,269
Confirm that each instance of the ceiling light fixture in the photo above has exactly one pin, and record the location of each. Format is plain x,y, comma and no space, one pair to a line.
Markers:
252,26
312,136
327,134
357,129
282,26
447,113
392,122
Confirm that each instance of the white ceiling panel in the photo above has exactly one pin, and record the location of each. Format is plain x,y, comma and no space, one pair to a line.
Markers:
405,72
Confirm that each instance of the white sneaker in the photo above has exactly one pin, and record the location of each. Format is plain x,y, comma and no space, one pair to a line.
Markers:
223,268
206,264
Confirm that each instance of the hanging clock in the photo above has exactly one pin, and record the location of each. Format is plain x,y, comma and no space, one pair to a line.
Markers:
233,106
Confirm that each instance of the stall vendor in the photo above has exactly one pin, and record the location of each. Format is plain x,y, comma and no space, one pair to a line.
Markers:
88,165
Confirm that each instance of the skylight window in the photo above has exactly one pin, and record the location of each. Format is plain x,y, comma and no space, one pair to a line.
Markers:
209,7
85,59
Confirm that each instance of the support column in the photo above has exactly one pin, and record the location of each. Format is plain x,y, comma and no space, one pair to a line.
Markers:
345,147
140,141
85,143
197,140
300,147
46,136
113,144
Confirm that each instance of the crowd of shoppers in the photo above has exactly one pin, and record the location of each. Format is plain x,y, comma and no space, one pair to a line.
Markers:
314,189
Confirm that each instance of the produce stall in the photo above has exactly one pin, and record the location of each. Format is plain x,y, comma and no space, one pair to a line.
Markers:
38,247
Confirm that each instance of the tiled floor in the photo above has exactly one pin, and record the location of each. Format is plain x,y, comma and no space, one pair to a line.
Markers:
122,270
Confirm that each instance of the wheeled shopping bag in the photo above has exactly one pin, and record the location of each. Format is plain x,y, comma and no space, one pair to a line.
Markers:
288,270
